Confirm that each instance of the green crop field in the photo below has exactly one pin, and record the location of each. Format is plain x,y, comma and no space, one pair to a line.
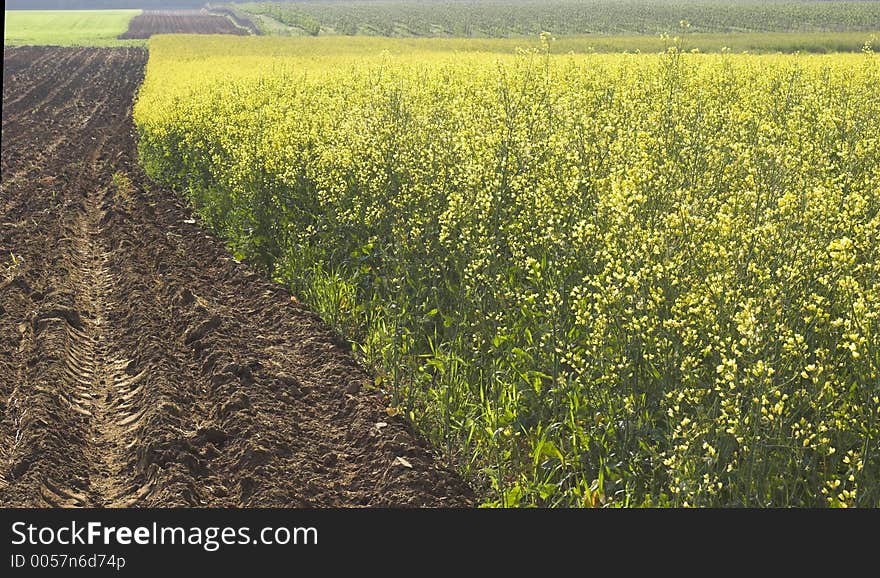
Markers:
588,25
588,279
505,18
68,27
758,42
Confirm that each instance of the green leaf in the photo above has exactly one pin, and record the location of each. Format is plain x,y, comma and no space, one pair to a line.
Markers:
546,448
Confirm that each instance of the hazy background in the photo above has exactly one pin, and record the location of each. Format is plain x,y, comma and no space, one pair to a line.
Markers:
98,4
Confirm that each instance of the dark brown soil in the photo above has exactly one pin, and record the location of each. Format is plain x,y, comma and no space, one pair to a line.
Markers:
179,22
140,365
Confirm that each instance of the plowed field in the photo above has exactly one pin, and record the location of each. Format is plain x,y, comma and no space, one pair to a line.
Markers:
179,22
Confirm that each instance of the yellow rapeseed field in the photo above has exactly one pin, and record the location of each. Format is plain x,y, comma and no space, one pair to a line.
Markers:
589,279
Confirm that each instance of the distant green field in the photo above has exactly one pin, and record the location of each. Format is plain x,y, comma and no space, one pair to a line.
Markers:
68,27
755,42
752,42
785,26
509,18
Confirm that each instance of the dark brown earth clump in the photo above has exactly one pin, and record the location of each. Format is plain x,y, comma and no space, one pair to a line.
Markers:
152,22
140,365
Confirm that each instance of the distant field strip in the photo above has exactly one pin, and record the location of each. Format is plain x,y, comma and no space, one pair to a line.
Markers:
755,42
503,18
154,22
67,27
